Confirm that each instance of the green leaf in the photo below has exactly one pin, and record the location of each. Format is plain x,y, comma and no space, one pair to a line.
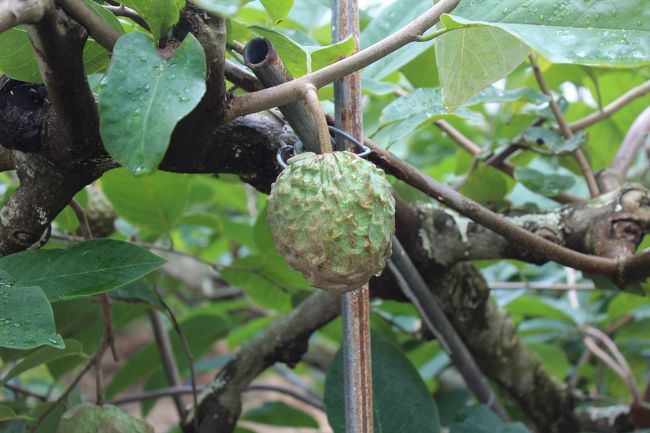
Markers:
532,306
554,141
161,15
389,20
87,268
259,287
43,356
153,202
220,7
553,358
471,58
486,184
277,9
144,97
393,376
480,419
301,59
420,107
26,319
17,58
542,183
602,33
280,414
8,414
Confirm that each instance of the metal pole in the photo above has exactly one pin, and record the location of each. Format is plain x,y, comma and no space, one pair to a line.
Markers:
355,304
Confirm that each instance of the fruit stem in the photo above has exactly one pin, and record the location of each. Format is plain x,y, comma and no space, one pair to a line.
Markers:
311,98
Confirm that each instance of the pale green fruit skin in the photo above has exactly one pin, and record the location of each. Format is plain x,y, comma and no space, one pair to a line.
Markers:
90,418
332,217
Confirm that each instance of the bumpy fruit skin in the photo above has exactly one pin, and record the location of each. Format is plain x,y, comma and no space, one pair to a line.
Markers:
89,418
332,217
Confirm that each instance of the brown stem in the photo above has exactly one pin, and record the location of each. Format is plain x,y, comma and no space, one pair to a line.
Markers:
612,107
123,11
633,142
567,133
104,34
324,139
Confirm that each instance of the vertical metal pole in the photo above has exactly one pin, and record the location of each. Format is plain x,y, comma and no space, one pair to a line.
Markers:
355,304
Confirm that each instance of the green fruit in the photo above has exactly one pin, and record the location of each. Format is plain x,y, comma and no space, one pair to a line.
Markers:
89,418
332,217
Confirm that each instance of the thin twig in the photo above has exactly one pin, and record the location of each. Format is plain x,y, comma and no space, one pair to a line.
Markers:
19,390
612,107
82,218
633,142
186,390
579,155
324,139
168,359
507,285
411,282
186,348
613,365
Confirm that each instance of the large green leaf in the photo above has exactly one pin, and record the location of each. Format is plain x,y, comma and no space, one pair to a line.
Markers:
26,319
8,414
471,58
301,59
43,356
153,202
87,268
277,9
543,183
390,19
420,107
161,15
220,7
17,58
393,376
595,33
144,97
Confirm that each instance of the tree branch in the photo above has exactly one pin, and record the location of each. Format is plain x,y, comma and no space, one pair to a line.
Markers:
285,340
627,153
293,90
15,12
612,107
565,129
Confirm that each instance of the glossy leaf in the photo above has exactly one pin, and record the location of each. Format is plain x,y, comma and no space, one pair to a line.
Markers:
391,19
602,33
393,376
87,268
161,15
551,140
17,58
43,356
543,183
277,413
301,59
277,9
486,184
144,97
153,202
469,59
26,319
420,107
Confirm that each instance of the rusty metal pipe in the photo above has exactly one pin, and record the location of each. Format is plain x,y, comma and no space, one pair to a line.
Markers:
355,305
262,58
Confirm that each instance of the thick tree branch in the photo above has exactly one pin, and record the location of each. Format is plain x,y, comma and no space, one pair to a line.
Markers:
58,43
285,340
15,12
